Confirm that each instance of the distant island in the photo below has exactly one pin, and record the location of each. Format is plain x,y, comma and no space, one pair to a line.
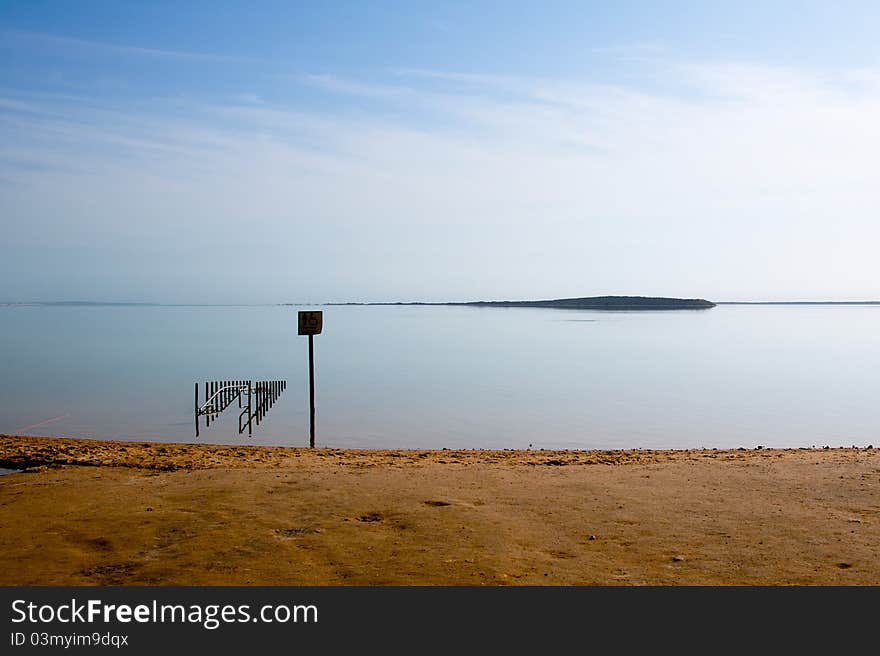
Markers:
585,303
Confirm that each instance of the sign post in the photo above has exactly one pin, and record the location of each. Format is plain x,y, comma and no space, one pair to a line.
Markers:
310,323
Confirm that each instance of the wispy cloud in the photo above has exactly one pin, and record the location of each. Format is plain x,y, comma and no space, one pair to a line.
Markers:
626,49
53,41
7,104
336,84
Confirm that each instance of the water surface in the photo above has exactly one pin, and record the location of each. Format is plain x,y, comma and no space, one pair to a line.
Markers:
456,377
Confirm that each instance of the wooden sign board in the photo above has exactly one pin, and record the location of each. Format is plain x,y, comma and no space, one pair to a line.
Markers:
310,323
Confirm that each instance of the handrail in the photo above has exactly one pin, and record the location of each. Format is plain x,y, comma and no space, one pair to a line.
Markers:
205,410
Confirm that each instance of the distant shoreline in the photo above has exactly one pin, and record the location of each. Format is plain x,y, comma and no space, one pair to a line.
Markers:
625,303
550,304
76,304
797,302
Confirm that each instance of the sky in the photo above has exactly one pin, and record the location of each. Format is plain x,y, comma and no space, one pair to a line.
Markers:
263,152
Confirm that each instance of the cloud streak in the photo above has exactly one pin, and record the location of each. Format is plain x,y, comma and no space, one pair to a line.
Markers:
63,43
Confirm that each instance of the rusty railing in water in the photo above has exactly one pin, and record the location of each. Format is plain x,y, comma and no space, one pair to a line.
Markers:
254,398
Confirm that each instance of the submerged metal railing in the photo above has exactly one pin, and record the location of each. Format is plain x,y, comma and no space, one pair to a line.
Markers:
255,399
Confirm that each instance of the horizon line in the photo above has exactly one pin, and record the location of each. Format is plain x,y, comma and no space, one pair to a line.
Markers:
331,303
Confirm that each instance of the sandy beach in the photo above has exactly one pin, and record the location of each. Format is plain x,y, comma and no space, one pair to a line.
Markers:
88,512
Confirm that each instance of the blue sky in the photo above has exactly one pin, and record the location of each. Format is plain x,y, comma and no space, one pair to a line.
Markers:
277,151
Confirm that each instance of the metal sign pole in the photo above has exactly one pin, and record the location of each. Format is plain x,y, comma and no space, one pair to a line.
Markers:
311,323
312,391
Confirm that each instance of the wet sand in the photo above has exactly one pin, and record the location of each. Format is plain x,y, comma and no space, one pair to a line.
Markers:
87,512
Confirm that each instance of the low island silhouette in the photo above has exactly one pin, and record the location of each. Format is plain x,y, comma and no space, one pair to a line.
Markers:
627,303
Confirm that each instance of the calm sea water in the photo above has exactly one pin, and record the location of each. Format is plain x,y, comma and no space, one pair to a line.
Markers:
456,377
